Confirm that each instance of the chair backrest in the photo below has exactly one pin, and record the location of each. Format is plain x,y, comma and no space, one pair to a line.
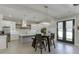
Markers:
52,35
38,37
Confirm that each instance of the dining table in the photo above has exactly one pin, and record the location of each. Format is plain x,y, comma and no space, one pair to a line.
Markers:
43,36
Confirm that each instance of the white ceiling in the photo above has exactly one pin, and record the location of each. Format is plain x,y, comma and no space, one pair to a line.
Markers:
37,12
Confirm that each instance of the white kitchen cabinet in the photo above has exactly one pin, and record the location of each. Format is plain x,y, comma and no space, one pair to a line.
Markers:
3,41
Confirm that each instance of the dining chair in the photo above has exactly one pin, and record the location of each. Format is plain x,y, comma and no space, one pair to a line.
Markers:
52,39
39,42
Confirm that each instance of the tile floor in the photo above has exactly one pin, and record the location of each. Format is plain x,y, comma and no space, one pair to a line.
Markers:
16,47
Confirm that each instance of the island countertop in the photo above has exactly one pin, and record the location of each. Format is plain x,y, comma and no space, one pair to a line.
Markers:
27,35
24,38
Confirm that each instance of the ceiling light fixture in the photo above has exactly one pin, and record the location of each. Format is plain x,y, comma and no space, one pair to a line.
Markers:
24,22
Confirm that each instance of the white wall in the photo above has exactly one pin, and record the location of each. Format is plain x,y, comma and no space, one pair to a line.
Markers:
77,31
52,27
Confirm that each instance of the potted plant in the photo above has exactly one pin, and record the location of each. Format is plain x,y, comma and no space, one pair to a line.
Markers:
43,30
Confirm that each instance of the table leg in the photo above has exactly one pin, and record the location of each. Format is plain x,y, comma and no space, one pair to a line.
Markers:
48,44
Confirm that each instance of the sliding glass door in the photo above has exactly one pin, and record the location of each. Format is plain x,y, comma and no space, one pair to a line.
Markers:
60,30
65,31
69,30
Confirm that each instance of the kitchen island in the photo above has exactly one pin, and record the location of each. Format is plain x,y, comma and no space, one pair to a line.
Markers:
24,38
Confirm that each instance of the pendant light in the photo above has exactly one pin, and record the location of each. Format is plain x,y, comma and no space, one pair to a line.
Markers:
24,22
